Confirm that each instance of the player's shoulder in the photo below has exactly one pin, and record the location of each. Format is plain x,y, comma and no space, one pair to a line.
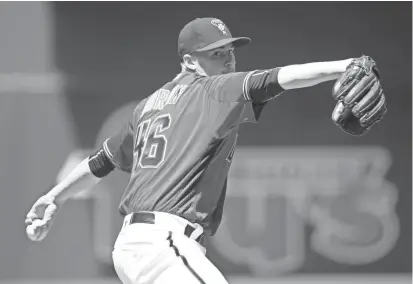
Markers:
140,104
215,82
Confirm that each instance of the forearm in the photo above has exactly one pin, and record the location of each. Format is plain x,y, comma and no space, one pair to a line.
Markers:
79,179
310,74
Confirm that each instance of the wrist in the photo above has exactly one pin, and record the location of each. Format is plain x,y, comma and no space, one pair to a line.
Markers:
339,67
55,195
347,62
342,65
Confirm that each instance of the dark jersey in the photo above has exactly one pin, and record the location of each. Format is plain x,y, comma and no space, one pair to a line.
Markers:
179,143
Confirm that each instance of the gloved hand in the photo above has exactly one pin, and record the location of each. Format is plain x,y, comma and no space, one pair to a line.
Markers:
360,98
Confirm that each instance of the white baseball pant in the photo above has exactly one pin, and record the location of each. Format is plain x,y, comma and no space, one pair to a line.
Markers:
161,253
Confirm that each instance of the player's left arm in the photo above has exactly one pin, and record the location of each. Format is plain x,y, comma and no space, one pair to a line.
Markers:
264,85
260,86
358,91
310,74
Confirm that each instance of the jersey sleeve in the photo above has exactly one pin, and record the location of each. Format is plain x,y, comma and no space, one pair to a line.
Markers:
119,148
228,87
252,112
258,86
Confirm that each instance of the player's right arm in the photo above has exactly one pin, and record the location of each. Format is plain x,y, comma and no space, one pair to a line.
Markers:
116,152
84,176
42,214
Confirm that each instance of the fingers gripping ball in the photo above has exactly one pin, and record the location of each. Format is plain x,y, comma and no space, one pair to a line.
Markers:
41,217
360,99
33,230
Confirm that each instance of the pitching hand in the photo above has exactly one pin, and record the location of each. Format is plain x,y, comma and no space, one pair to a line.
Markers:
40,218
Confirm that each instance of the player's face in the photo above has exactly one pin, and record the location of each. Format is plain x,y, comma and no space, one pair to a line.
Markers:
217,61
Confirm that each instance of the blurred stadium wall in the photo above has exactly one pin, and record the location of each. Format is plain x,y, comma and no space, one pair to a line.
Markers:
306,202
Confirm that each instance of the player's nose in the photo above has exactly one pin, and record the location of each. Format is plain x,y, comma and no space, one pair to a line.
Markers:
230,60
231,55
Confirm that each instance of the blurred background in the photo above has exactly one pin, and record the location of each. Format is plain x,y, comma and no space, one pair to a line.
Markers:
306,202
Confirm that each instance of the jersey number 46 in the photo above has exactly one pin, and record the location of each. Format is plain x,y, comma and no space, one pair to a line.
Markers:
150,146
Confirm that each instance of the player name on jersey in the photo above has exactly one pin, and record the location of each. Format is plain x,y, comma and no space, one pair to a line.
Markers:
163,97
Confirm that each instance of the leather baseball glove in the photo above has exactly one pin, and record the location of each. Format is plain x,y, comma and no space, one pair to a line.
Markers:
360,98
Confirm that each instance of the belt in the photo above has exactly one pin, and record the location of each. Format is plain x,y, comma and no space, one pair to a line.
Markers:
149,218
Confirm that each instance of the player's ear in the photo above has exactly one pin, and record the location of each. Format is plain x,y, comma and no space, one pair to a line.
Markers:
188,61
191,62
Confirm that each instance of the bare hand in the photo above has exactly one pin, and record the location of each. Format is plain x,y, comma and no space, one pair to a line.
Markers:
40,218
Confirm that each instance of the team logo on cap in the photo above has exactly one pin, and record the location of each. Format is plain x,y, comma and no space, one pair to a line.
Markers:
220,25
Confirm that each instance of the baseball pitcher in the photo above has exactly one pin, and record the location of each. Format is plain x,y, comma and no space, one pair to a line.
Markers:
178,146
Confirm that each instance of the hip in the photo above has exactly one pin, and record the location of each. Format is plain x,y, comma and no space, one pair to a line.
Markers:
155,229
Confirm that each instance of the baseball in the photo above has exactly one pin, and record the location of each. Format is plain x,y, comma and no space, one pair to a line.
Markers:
31,231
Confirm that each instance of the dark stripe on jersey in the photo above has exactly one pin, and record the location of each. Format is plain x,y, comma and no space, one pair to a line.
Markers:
184,260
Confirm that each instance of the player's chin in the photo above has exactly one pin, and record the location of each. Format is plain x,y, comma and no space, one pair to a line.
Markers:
229,69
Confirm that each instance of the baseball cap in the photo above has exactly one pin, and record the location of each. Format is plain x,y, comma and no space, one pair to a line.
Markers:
204,34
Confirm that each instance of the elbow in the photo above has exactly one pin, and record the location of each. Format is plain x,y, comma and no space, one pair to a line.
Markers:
99,164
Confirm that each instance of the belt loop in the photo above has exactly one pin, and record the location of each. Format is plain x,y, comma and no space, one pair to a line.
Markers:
126,220
198,232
